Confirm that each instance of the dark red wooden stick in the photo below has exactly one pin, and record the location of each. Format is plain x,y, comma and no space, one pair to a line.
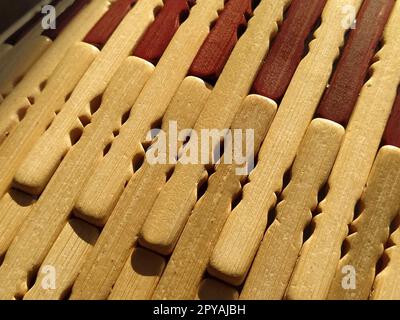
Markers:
157,37
64,18
341,96
391,136
288,48
105,27
219,44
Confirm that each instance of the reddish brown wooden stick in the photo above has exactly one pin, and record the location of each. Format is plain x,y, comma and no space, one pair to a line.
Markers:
219,44
288,48
21,32
160,33
391,136
64,18
340,98
105,27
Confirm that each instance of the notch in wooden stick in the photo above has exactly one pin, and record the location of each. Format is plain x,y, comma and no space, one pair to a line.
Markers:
190,257
105,27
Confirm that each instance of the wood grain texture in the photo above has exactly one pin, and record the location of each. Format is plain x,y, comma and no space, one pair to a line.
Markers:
139,277
163,226
160,33
380,203
19,34
188,263
321,253
120,234
391,136
51,212
245,227
387,282
23,23
30,86
54,144
287,49
39,117
25,53
65,18
66,256
211,289
116,168
14,209
215,51
19,60
178,197
104,28
278,252
344,88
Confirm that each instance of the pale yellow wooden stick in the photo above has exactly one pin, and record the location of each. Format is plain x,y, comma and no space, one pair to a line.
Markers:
24,54
50,213
4,48
121,231
184,109
30,87
63,262
39,117
178,197
14,208
321,253
139,277
245,228
278,252
116,168
211,289
48,152
381,204
387,282
188,263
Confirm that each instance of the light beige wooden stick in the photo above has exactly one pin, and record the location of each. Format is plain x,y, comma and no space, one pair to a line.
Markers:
278,252
381,204
4,48
39,117
178,197
31,85
45,156
211,289
14,209
387,282
24,54
63,262
116,168
321,253
50,213
245,228
188,263
139,277
121,231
